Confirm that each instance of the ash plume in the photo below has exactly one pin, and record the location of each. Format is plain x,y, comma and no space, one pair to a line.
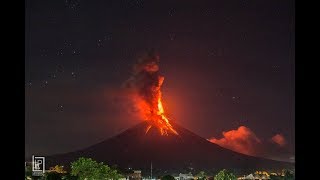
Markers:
145,79
145,87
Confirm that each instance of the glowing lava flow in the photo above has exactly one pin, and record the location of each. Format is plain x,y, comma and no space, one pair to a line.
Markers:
146,84
156,115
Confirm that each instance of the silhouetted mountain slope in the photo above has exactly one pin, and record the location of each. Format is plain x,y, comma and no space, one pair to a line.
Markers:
137,149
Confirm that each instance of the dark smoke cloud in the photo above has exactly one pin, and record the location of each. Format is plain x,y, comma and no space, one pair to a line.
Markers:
145,82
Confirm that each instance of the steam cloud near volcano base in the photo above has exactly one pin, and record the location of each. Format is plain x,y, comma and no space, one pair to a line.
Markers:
245,141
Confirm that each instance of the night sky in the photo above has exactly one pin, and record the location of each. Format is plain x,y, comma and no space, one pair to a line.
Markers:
226,64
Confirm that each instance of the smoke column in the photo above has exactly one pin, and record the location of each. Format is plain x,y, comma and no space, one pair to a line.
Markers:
145,83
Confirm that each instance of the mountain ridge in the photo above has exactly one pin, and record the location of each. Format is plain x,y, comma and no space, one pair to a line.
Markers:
136,148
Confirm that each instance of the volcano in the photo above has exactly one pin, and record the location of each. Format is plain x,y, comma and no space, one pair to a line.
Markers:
137,149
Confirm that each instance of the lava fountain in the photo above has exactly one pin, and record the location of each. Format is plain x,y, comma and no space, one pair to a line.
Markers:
146,84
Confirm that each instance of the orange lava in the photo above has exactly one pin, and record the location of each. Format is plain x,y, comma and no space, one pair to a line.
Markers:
154,113
146,85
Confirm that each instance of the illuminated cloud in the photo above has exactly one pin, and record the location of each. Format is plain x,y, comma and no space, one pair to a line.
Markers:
245,141
279,139
242,140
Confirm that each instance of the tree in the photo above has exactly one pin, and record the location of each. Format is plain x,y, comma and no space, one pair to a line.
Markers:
274,177
55,172
69,177
53,175
90,169
201,175
288,175
167,177
225,175
28,172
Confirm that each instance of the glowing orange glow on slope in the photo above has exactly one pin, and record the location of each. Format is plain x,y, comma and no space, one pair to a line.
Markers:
155,113
148,128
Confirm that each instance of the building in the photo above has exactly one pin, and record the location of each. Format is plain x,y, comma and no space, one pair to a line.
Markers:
254,177
250,176
136,175
188,176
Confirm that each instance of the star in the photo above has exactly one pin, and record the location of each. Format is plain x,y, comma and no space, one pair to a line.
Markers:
60,108
29,84
73,74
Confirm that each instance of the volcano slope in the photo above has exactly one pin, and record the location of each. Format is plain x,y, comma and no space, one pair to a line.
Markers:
137,149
